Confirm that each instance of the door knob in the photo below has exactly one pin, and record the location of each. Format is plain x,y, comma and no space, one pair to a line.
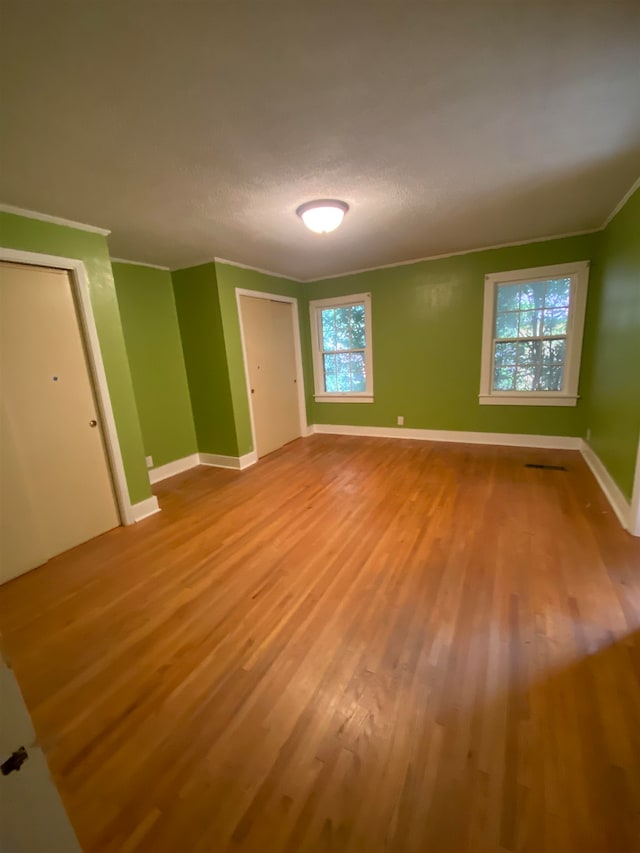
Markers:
93,423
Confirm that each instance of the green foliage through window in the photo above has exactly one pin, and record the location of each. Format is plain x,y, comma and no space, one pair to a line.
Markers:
530,332
343,335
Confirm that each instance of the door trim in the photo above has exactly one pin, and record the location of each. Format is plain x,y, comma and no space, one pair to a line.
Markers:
275,297
89,334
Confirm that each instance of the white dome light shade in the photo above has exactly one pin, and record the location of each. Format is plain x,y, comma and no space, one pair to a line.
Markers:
323,215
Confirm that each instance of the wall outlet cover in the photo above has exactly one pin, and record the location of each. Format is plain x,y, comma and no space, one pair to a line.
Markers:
400,420
149,461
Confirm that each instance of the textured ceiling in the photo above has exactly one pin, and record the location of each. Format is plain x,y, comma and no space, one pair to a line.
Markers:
195,129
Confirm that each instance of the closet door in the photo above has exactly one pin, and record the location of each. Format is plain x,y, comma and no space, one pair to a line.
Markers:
268,336
56,483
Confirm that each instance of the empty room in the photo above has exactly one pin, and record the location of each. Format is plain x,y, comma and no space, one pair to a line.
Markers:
320,426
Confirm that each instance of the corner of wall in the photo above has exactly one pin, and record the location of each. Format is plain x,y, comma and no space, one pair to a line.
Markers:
609,382
196,297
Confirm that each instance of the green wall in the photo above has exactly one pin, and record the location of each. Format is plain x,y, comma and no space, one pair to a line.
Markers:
205,357
18,232
152,337
427,339
184,352
611,361
229,278
210,329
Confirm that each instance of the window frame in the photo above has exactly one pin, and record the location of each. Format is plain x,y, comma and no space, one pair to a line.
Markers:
578,271
315,309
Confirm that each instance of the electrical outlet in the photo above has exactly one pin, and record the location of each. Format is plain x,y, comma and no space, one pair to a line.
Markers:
400,420
149,461
588,433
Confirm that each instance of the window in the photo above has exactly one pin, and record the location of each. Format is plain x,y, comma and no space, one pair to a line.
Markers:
341,338
532,335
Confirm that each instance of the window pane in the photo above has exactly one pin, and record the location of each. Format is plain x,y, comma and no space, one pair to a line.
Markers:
343,365
508,297
357,362
527,315
358,326
504,378
358,382
553,352
330,383
530,324
532,295
551,379
529,352
505,354
525,378
507,325
329,366
555,321
558,291
343,328
328,329
358,372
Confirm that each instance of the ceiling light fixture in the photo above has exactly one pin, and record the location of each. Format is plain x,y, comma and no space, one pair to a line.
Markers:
323,215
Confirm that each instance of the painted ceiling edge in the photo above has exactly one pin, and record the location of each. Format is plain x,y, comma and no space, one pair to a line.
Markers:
45,217
140,264
55,220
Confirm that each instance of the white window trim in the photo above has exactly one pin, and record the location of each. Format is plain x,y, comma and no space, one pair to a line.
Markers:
579,271
320,395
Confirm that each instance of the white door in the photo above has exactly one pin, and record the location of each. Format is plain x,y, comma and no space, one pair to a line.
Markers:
271,363
56,489
32,817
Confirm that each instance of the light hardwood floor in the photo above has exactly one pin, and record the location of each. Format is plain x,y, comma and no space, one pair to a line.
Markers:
357,645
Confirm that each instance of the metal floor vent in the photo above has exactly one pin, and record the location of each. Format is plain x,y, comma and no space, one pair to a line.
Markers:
546,467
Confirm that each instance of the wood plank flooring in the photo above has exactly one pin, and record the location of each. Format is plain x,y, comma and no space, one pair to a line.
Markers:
357,645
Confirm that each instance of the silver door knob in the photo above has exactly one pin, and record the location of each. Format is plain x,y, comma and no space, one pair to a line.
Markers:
93,423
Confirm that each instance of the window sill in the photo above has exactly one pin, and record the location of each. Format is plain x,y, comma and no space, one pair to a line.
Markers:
343,398
527,400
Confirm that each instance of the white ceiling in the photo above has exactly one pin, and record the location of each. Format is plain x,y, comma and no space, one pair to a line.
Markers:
194,129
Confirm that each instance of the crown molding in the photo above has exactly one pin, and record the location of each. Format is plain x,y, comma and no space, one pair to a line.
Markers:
139,264
259,269
55,220
455,254
625,198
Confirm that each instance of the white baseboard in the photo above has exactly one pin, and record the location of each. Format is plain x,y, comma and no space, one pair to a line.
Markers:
212,460
619,503
173,468
612,492
236,463
552,442
145,508
248,460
